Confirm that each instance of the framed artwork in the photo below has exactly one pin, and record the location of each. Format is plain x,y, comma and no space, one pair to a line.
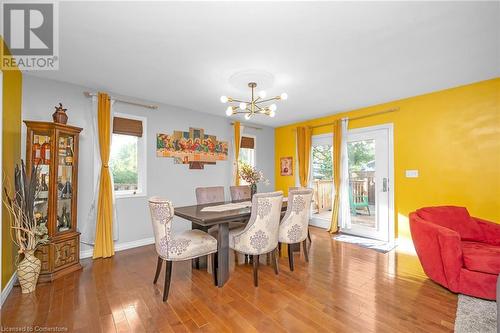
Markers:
286,166
194,148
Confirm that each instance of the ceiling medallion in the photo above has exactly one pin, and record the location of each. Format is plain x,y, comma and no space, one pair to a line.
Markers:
257,105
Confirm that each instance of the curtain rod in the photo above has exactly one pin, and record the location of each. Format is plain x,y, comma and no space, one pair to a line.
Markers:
253,127
360,117
149,106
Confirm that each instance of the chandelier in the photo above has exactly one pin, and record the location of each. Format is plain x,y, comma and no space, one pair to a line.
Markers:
257,105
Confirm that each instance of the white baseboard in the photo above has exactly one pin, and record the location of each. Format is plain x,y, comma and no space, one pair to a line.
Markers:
8,288
320,223
121,246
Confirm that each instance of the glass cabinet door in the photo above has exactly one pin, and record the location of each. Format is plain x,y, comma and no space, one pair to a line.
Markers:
65,151
40,159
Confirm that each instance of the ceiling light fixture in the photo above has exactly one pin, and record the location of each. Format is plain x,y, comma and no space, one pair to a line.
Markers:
257,105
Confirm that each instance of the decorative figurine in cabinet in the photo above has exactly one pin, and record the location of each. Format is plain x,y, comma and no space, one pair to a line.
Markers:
54,148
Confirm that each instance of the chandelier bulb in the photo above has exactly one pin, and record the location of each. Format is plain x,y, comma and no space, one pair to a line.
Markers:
223,99
248,116
262,94
243,106
284,96
229,111
272,107
272,113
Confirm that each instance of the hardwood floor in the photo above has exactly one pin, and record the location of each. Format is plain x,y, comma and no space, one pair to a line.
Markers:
343,288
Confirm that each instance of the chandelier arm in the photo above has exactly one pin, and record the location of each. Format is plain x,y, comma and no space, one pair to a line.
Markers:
240,101
269,99
258,107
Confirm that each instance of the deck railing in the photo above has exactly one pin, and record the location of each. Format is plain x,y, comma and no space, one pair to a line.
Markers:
361,182
322,195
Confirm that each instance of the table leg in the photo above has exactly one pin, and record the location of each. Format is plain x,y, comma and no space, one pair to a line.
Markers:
223,254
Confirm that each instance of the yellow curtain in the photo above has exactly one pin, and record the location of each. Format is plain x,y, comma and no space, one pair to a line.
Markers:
337,138
304,135
104,225
237,139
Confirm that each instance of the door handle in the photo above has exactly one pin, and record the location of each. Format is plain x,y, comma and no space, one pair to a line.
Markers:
385,184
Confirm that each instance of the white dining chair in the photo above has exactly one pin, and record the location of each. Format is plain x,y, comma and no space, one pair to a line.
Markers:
294,226
299,188
186,245
260,235
239,193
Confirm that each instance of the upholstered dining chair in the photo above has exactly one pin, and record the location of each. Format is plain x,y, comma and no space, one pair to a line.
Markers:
294,226
299,188
206,195
260,235
240,192
186,245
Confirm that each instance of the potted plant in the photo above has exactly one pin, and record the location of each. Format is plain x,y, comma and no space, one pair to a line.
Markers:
27,231
252,176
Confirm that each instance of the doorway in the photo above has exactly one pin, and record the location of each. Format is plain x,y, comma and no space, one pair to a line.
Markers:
321,180
371,196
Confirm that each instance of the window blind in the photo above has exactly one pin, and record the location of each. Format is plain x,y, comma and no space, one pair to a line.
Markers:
127,126
247,142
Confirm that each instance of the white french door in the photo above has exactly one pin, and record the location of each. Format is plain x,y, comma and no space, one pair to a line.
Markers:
370,152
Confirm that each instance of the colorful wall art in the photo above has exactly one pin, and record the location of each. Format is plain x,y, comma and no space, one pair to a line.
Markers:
286,166
194,148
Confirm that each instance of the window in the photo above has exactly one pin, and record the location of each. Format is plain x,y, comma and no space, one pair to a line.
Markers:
128,156
247,152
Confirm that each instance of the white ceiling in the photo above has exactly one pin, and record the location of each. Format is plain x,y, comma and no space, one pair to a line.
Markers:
329,57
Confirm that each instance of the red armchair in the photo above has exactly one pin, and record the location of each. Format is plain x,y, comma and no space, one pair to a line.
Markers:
460,252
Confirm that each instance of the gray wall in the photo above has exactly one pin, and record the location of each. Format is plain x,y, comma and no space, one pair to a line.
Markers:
164,178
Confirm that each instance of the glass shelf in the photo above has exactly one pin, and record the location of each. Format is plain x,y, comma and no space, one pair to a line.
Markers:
65,151
41,160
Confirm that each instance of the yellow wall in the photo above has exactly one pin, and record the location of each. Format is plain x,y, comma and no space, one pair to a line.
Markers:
11,154
452,137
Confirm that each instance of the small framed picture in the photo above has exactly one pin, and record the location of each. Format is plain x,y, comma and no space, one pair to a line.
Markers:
286,166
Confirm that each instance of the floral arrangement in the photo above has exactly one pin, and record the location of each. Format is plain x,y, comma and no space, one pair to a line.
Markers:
251,175
27,233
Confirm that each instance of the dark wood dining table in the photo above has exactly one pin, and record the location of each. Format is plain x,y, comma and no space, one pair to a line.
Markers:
205,220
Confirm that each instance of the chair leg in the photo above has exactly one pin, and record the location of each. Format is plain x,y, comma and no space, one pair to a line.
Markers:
215,264
306,255
309,235
275,255
255,259
168,276
158,269
290,257
246,259
368,207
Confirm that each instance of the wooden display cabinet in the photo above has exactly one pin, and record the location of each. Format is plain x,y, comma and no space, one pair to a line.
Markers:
54,148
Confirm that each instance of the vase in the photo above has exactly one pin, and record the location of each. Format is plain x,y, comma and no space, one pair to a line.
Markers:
60,117
28,271
253,190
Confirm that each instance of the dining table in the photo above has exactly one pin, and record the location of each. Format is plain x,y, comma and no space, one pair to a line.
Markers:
203,220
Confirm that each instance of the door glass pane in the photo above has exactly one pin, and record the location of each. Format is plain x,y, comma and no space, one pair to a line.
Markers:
362,182
41,158
322,178
65,151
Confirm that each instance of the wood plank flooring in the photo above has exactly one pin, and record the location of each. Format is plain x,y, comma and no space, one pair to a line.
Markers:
343,288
